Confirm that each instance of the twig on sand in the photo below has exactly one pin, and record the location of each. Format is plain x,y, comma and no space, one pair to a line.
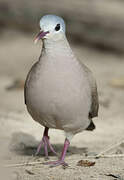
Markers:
112,155
102,154
108,156
22,164
35,163
109,148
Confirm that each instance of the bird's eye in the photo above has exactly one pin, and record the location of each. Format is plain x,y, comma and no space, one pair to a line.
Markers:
57,28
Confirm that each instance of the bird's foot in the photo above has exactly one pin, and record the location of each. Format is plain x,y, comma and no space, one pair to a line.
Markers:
46,143
62,157
56,163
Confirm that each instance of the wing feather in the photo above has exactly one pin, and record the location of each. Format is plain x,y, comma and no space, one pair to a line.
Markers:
94,94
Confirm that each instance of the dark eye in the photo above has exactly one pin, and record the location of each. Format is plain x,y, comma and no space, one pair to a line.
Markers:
57,28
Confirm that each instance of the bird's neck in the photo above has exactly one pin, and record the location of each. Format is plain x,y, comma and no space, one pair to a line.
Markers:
57,47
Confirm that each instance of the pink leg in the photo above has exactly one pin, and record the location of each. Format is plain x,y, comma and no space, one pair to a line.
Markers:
45,141
62,157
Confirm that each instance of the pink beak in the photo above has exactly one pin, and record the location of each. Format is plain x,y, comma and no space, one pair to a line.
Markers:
40,35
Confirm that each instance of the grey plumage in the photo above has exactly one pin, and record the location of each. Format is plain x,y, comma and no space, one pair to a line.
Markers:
94,95
60,92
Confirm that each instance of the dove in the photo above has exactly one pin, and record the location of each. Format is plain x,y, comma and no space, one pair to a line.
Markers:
60,92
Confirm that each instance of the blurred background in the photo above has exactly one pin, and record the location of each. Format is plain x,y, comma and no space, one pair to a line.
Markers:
95,27
95,30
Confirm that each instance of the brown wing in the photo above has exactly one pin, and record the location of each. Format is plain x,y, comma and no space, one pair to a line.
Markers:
94,94
27,79
95,102
25,87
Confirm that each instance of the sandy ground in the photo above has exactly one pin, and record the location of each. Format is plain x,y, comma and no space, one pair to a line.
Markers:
20,135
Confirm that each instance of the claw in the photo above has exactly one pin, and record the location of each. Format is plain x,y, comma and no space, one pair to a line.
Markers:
56,163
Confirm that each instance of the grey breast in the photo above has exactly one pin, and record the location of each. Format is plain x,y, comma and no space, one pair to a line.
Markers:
94,95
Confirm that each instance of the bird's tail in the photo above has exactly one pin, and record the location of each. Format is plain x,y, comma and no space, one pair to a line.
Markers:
91,126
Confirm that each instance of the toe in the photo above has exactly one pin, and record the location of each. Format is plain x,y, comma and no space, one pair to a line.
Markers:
56,163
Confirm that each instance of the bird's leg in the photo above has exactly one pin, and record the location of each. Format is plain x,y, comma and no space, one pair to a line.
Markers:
45,141
62,157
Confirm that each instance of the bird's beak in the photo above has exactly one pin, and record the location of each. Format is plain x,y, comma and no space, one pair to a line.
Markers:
40,35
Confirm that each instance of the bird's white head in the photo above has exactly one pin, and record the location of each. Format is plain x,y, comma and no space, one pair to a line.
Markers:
52,27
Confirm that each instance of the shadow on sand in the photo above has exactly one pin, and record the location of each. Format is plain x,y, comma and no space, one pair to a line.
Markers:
25,144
